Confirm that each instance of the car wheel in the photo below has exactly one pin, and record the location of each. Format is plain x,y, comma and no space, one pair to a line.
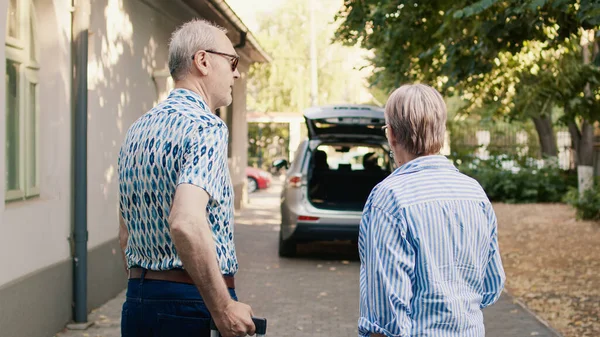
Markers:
287,248
252,185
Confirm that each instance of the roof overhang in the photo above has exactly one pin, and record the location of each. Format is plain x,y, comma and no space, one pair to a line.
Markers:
219,12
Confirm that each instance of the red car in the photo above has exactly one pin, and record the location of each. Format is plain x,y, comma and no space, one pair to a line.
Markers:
257,179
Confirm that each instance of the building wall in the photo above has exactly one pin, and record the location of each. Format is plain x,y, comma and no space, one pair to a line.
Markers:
35,231
127,76
128,44
35,282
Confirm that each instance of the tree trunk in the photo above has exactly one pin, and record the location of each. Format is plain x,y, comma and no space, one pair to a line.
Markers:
543,125
585,152
585,168
583,145
575,140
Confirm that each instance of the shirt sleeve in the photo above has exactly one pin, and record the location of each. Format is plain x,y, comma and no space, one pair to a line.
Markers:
494,278
204,159
386,274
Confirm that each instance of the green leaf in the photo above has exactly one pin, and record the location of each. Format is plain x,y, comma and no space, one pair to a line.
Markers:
485,4
458,14
468,11
559,3
537,4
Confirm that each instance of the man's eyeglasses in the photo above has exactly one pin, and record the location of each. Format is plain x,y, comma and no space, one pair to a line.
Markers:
233,59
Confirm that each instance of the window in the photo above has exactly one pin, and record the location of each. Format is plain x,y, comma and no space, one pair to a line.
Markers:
355,157
22,103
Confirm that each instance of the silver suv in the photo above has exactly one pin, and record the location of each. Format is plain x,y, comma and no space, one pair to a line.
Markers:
333,172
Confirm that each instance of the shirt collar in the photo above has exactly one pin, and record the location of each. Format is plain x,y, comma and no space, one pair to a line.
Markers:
190,96
438,162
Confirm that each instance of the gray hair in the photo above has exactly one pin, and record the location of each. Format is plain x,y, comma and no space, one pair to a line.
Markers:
192,36
417,115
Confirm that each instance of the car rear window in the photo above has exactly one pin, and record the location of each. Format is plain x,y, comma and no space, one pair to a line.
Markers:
355,157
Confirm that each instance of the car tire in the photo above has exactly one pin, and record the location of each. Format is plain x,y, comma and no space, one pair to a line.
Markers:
252,185
287,248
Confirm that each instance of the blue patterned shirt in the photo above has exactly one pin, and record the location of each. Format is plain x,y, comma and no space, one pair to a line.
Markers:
429,253
177,142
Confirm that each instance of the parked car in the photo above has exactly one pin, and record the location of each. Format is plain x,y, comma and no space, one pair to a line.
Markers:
345,155
257,179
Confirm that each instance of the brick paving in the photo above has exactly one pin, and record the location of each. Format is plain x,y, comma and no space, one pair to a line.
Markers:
314,294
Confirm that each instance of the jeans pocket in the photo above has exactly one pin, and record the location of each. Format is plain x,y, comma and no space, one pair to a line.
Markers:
183,326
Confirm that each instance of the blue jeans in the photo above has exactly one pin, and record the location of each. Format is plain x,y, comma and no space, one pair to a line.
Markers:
164,309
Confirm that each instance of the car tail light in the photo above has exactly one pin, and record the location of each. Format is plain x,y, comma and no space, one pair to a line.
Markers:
307,218
295,180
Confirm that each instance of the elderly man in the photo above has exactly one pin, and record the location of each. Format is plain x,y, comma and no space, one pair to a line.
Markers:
176,199
428,239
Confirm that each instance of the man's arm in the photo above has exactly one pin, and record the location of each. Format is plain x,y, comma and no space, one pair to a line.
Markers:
195,246
387,273
123,237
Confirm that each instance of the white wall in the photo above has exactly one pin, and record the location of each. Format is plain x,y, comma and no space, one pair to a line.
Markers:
3,9
35,232
128,43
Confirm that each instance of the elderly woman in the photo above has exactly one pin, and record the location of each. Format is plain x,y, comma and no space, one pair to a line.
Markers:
428,239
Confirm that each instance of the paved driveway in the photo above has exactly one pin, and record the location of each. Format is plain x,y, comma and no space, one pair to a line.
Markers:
314,294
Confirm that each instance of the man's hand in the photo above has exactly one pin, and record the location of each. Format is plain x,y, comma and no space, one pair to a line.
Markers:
235,320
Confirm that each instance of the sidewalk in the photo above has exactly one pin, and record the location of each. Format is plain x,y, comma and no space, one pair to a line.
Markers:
505,318
315,294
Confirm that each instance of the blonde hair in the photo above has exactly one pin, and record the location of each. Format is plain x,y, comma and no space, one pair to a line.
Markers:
192,36
417,116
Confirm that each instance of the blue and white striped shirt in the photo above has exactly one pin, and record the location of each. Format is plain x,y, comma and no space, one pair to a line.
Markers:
429,253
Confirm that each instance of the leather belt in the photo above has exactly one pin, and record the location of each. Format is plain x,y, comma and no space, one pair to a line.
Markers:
173,275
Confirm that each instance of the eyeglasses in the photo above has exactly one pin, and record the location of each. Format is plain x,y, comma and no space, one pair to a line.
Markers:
233,59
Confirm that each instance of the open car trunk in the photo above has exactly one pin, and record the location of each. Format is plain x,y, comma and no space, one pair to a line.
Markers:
342,190
345,132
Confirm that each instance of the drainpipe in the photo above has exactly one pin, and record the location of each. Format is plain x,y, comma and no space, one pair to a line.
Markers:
80,27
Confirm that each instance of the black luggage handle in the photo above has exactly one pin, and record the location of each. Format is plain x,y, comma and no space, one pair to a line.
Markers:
259,322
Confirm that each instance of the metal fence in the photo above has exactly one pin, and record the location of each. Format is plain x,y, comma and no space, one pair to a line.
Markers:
510,140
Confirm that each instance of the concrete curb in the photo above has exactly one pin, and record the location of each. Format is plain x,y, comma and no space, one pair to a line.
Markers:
529,311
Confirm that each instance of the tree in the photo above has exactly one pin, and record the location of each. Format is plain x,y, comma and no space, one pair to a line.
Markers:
491,52
284,84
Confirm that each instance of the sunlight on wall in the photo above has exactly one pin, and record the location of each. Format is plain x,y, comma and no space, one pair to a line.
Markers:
63,20
149,62
119,30
108,176
119,33
124,101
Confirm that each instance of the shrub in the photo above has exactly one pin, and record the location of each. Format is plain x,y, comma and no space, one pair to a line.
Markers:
514,179
588,206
